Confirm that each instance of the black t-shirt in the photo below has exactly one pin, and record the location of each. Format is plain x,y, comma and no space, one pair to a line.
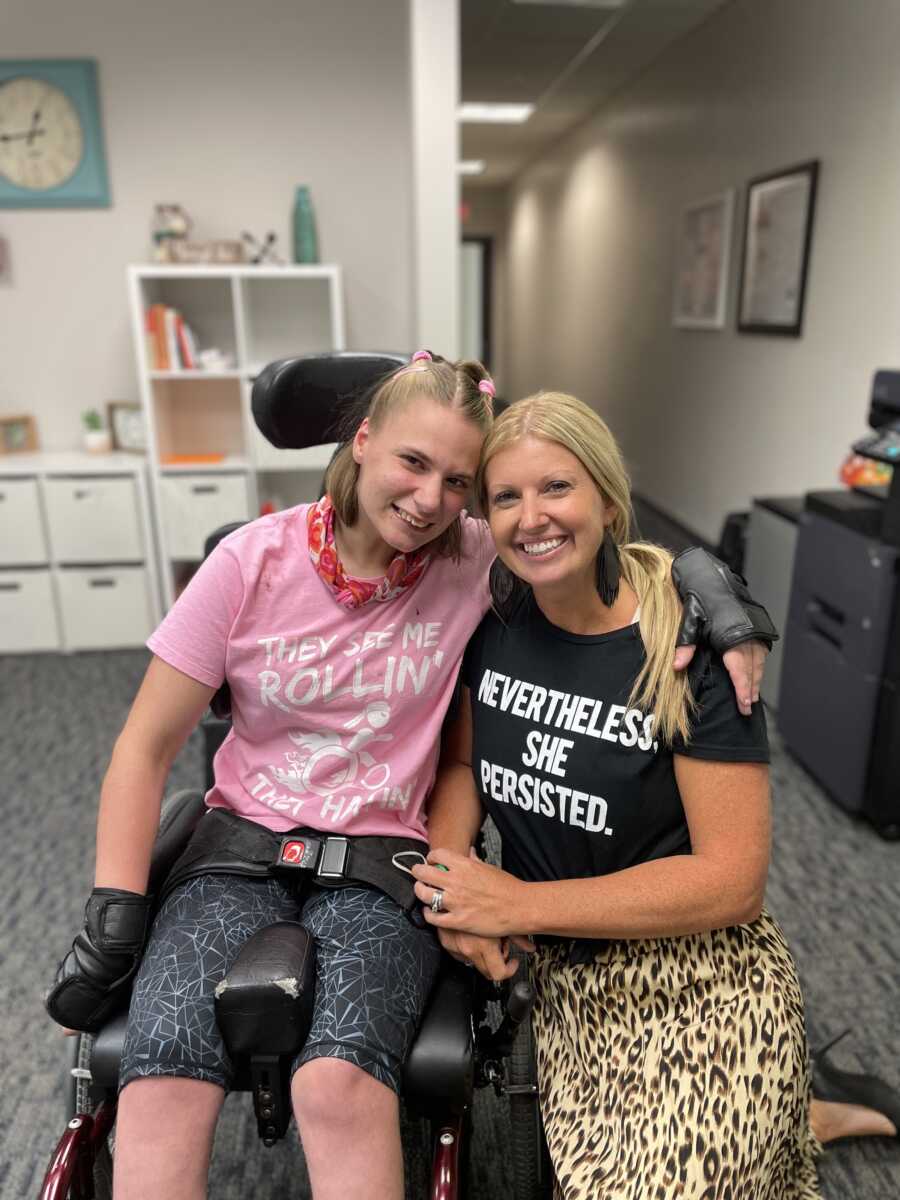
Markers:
574,779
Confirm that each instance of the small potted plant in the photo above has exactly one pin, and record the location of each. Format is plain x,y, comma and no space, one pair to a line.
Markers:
96,435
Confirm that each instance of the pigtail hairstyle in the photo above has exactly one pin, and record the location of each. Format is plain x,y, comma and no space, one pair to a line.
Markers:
557,417
465,386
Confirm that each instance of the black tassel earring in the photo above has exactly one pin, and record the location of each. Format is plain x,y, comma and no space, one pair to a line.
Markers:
608,570
507,590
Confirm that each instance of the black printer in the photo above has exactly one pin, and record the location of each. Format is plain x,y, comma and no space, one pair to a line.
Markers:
839,702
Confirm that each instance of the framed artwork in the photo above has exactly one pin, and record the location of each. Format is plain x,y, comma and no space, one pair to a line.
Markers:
125,421
17,434
777,238
701,272
51,150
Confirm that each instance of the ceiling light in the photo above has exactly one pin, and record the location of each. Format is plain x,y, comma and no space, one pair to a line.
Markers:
498,114
471,166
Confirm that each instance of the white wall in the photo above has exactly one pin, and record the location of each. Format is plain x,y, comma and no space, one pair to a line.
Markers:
222,107
710,419
434,72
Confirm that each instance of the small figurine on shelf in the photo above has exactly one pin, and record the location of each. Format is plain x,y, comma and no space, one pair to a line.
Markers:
96,437
171,225
263,251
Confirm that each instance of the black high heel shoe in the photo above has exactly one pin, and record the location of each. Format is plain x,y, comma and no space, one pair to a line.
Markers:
846,1087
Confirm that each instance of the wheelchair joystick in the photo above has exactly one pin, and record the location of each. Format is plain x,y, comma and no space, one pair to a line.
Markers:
498,1045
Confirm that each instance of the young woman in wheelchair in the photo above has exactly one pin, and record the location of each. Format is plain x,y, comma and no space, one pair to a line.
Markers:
633,808
340,627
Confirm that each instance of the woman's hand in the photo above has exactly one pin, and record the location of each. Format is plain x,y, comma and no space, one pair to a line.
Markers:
489,955
475,897
745,664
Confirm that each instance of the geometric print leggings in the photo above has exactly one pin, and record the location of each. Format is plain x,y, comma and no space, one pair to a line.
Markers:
374,971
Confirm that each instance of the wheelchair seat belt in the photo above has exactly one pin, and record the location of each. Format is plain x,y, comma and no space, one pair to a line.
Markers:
226,844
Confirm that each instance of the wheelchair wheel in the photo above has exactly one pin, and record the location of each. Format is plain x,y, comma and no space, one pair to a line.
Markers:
78,1084
79,1100
532,1171
103,1173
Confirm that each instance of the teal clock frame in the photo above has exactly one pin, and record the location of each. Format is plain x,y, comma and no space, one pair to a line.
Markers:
88,186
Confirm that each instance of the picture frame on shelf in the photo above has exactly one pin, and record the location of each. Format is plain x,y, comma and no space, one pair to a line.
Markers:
222,251
703,261
18,434
55,155
125,420
776,247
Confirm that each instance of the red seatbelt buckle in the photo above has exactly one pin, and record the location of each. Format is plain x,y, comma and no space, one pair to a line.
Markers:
301,853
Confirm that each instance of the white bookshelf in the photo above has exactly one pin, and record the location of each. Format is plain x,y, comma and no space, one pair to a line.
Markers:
253,315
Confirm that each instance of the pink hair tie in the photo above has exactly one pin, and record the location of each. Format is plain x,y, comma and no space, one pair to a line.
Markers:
487,387
421,356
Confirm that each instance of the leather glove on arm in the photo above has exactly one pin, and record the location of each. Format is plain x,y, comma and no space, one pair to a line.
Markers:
718,607
93,978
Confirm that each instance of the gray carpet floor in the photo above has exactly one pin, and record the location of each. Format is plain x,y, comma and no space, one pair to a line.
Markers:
834,886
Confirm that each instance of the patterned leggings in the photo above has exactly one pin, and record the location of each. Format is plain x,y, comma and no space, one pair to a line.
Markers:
676,1067
374,971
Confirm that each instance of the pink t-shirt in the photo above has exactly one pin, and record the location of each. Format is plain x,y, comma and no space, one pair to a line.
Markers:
336,713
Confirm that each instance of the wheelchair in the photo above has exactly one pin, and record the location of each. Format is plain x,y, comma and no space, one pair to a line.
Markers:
459,1047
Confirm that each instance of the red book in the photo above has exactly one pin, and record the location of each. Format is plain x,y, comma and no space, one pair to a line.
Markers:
184,348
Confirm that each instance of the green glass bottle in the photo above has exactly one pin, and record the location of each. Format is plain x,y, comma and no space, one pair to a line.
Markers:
306,247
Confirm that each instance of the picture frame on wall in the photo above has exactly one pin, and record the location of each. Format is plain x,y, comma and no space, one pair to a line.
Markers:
125,421
775,260
18,434
703,259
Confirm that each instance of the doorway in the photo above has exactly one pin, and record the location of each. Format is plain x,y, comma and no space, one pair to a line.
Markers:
475,299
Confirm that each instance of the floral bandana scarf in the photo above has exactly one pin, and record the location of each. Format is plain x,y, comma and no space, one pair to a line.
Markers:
403,573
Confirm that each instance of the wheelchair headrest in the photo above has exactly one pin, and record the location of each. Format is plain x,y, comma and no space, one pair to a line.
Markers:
306,401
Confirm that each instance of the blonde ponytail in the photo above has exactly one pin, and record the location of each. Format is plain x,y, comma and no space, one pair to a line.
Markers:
646,569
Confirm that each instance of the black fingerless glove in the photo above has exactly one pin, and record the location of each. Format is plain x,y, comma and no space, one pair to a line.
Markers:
92,980
718,608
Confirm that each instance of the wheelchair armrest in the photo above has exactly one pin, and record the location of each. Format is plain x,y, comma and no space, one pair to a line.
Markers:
180,814
106,1052
264,1004
439,1072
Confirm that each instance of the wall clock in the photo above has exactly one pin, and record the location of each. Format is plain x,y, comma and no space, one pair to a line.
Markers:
51,141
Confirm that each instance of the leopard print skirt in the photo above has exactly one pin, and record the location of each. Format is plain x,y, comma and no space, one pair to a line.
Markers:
676,1067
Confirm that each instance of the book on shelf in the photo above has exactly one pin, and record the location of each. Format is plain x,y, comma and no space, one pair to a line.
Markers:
172,354
156,330
186,346
171,345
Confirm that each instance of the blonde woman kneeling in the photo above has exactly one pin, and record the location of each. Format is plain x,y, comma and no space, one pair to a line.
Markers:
633,806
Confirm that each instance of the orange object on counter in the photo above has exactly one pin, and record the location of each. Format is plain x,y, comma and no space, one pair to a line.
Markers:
857,471
175,460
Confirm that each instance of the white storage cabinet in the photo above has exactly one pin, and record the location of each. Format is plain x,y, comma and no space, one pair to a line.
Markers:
209,465
77,562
